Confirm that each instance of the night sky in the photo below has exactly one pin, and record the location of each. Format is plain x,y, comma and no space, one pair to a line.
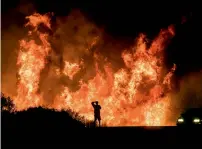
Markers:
124,20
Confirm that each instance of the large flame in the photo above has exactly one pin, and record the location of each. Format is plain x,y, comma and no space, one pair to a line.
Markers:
31,60
134,95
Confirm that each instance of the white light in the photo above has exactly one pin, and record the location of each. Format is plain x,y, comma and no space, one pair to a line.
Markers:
181,120
196,120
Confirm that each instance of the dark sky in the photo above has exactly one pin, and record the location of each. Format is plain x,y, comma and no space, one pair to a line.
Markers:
124,19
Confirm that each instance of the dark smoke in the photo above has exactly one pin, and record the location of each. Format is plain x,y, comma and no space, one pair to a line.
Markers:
189,95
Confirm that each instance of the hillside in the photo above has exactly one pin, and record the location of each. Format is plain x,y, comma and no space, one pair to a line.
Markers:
43,126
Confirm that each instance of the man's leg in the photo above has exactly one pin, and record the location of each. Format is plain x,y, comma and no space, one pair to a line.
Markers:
99,119
95,122
99,123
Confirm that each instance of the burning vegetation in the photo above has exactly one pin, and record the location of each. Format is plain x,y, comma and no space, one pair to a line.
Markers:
62,70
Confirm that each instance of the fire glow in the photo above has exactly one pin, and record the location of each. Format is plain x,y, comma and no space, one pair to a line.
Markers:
137,94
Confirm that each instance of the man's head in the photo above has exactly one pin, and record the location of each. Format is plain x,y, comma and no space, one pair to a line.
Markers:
96,102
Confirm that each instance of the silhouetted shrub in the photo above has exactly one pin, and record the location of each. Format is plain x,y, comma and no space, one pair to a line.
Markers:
37,113
6,103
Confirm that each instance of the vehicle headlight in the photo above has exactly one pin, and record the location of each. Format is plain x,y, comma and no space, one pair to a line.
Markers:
180,120
196,120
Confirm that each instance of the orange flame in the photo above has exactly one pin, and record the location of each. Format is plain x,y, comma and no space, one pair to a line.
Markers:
130,96
71,69
31,61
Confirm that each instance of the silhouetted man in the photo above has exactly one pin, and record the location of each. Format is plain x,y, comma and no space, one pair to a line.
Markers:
97,109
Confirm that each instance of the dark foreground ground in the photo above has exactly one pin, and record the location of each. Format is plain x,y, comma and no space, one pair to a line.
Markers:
38,126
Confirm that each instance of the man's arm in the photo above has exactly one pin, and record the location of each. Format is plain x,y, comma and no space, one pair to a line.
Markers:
93,103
